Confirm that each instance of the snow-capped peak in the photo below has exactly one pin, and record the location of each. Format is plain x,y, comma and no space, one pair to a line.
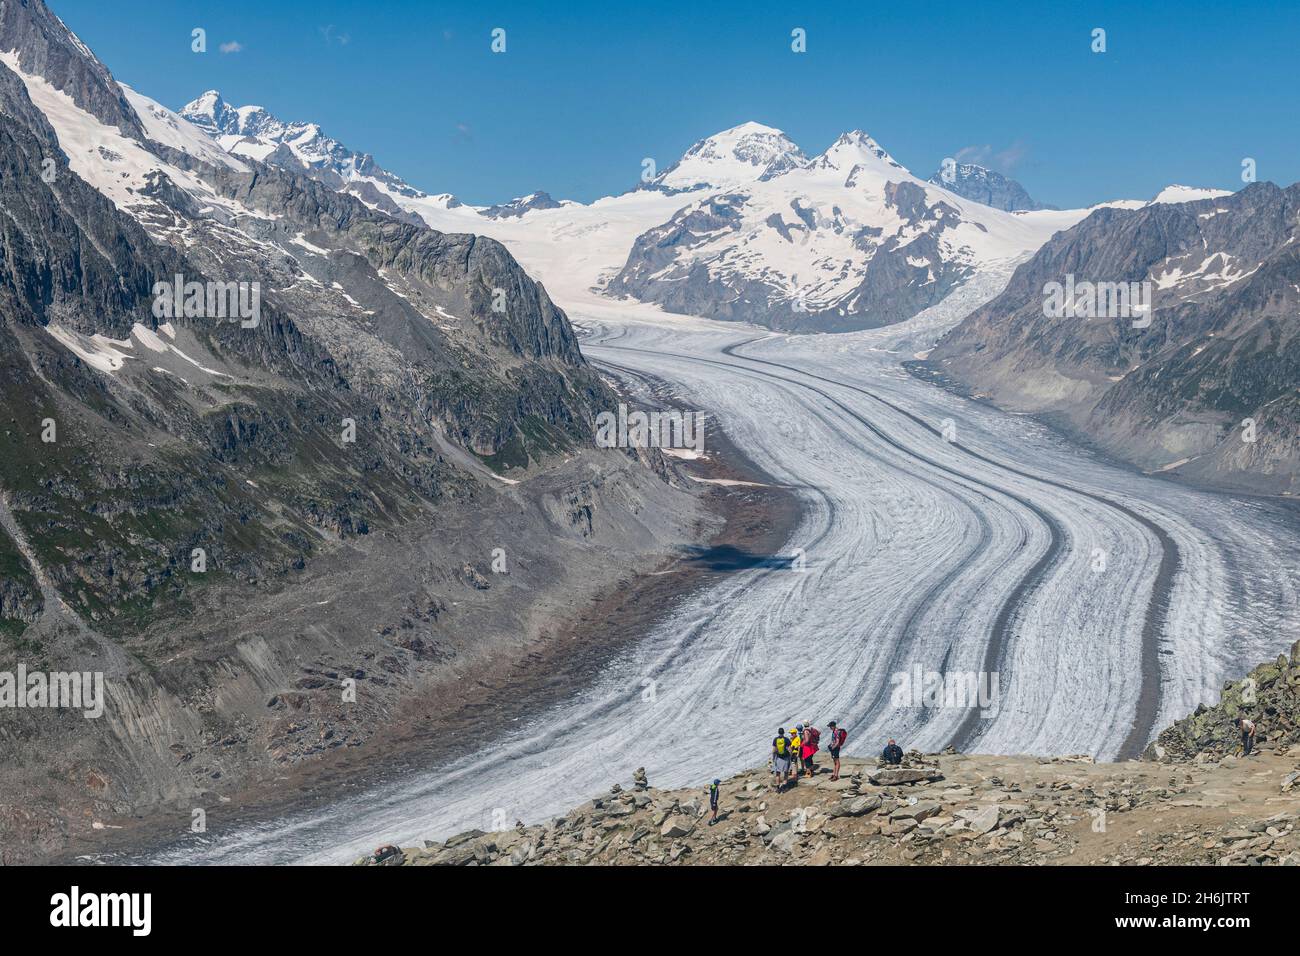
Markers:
853,149
1178,194
523,205
209,112
731,158
255,133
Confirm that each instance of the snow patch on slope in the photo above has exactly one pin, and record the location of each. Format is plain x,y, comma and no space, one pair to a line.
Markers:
115,165
109,355
1181,194
170,129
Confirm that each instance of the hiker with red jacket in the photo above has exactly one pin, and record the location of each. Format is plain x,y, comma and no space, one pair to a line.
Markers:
808,750
838,736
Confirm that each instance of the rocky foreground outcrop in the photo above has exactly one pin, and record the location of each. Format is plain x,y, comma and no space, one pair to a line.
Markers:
1269,695
1194,799
938,809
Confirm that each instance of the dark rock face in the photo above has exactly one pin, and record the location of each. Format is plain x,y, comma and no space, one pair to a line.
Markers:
1204,382
986,186
46,48
68,252
429,339
466,269
20,597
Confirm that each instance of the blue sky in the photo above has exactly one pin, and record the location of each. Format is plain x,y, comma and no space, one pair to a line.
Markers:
585,91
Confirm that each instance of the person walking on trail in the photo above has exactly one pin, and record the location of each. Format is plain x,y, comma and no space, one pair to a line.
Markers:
838,736
780,758
796,750
893,753
811,738
714,789
1247,728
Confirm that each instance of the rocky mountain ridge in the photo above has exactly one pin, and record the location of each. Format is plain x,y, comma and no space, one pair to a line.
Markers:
1199,379
252,132
174,481
985,186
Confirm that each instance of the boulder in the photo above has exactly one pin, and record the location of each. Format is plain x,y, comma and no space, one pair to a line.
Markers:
983,820
675,827
784,841
464,837
896,776
856,806
917,811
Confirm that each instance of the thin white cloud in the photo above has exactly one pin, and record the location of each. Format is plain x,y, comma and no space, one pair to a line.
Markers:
233,46
327,33
1003,160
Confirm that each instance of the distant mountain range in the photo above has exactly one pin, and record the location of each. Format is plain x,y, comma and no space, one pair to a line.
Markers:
745,226
848,239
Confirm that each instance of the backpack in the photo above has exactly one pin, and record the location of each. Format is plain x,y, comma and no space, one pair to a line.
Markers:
782,744
838,738
812,736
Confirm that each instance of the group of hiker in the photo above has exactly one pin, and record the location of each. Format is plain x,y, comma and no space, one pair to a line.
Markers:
794,754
